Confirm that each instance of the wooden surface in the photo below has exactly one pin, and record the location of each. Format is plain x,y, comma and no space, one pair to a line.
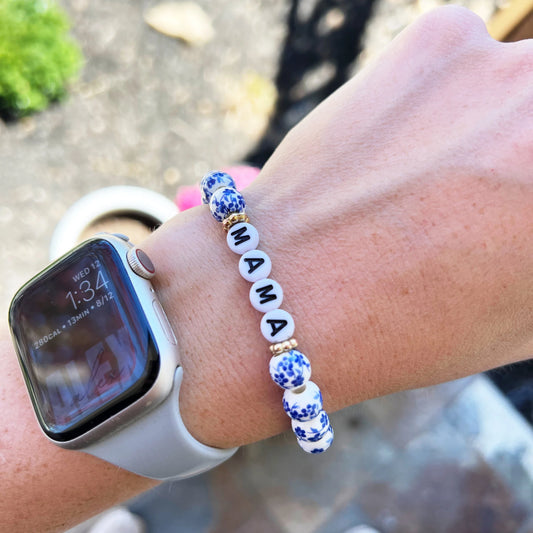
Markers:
513,22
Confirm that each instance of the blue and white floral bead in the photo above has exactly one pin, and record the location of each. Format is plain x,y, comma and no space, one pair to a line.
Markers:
304,405
311,430
290,369
320,445
213,181
226,201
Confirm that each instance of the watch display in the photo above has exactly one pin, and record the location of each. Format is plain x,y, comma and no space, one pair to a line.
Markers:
85,345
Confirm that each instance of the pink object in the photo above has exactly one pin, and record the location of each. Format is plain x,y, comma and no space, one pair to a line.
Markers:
188,196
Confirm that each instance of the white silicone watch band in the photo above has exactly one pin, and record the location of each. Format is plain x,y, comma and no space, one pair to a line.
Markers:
158,445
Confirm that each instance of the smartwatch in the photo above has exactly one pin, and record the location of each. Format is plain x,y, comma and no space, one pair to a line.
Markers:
101,361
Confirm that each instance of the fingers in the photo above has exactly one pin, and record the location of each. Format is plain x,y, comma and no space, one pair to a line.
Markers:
444,90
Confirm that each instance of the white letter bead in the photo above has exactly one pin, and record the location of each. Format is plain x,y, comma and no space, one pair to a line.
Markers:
266,295
320,445
277,326
242,237
311,430
290,370
255,265
304,405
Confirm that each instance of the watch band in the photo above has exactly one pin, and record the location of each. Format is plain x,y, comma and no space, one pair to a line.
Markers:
158,445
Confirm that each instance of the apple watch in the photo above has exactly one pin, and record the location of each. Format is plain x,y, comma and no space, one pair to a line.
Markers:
101,361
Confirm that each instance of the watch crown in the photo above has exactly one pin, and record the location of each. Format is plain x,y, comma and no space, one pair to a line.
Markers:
140,263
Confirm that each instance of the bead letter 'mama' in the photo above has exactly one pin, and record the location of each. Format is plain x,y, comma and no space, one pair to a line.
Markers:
277,326
255,265
242,237
266,295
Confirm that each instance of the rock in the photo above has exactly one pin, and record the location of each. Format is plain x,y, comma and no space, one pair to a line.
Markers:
248,102
182,20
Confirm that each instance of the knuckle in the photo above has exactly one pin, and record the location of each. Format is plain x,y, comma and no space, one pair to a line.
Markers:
449,27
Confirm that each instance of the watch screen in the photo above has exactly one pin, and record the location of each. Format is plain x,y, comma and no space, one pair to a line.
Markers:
84,342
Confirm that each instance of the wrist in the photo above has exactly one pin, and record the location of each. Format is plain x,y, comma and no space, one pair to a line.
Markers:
226,388
400,306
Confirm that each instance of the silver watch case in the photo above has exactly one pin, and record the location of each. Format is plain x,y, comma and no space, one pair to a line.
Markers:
163,338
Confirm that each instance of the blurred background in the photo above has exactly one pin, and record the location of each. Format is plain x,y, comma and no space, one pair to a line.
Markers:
154,94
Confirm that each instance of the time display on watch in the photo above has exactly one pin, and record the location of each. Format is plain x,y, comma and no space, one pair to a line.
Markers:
84,342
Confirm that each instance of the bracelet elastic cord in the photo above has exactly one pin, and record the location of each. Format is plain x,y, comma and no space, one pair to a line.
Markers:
289,368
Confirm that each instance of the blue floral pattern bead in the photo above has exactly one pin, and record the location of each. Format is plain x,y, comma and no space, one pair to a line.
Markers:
226,201
311,430
213,181
290,369
320,445
304,405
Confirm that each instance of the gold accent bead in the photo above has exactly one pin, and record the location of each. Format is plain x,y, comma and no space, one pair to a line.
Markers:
233,219
285,346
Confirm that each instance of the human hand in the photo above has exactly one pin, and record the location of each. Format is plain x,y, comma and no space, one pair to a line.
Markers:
397,215
414,181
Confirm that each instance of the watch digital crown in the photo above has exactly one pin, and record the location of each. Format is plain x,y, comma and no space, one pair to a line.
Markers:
140,263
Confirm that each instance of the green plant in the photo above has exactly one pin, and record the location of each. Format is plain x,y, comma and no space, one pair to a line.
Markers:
37,55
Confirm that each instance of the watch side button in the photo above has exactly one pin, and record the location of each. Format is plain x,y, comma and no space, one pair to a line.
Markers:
165,324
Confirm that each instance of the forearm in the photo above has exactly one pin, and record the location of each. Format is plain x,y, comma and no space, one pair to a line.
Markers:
395,307
398,220
397,217
46,488
370,314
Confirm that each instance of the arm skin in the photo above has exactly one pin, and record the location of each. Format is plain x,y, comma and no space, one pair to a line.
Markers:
398,219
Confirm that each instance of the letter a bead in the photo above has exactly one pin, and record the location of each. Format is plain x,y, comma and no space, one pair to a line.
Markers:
277,326
255,265
242,237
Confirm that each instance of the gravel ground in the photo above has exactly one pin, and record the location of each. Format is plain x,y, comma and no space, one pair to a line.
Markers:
148,111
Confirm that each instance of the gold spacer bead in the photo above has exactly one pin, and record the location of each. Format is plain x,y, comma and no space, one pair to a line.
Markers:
233,219
285,346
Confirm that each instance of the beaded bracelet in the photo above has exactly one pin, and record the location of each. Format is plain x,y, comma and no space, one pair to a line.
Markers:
289,368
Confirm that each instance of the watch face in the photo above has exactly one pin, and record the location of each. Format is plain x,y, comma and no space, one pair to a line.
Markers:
85,345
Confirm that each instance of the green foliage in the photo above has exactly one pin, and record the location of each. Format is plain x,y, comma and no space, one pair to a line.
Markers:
37,56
